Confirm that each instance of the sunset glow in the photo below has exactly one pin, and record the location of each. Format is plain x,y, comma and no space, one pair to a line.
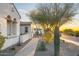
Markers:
62,28
74,25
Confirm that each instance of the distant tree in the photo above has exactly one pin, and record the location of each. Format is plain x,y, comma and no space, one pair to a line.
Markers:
69,32
76,33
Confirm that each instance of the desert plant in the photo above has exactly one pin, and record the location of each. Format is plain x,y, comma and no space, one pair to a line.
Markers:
41,46
47,36
76,33
2,40
69,32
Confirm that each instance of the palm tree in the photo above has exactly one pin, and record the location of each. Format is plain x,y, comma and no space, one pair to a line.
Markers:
54,14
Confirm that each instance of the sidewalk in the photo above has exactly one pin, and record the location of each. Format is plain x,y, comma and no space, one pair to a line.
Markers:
29,49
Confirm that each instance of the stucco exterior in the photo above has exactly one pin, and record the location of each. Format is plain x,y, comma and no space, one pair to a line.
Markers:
5,10
25,35
3,26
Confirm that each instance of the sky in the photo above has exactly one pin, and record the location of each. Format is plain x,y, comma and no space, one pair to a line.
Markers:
23,8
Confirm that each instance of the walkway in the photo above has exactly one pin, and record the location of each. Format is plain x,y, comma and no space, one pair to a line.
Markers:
29,49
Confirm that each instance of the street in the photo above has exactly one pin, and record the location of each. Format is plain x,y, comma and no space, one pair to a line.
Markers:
69,45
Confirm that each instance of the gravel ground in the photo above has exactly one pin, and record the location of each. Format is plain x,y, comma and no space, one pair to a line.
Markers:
11,51
66,49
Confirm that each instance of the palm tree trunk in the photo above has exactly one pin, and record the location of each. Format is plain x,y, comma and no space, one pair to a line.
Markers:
56,41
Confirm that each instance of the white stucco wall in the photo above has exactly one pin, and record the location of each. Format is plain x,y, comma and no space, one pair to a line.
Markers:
5,10
22,29
14,38
8,9
27,35
18,27
10,41
3,26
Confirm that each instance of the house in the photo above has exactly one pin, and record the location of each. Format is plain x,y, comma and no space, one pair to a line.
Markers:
25,31
37,28
9,24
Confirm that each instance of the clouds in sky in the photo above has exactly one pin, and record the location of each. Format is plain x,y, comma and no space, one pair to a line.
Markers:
24,14
23,9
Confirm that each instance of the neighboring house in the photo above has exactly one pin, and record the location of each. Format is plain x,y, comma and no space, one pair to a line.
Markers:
25,31
9,24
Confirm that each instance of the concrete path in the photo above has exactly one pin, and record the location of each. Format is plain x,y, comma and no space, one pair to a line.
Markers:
29,49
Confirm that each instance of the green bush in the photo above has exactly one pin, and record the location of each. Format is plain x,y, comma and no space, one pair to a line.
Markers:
2,40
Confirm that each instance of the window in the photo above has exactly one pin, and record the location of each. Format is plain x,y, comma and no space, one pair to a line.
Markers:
26,29
11,28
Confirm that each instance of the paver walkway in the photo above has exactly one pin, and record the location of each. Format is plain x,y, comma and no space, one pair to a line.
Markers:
29,49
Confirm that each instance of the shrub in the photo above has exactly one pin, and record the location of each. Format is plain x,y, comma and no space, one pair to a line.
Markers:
41,46
69,32
47,36
2,40
76,33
